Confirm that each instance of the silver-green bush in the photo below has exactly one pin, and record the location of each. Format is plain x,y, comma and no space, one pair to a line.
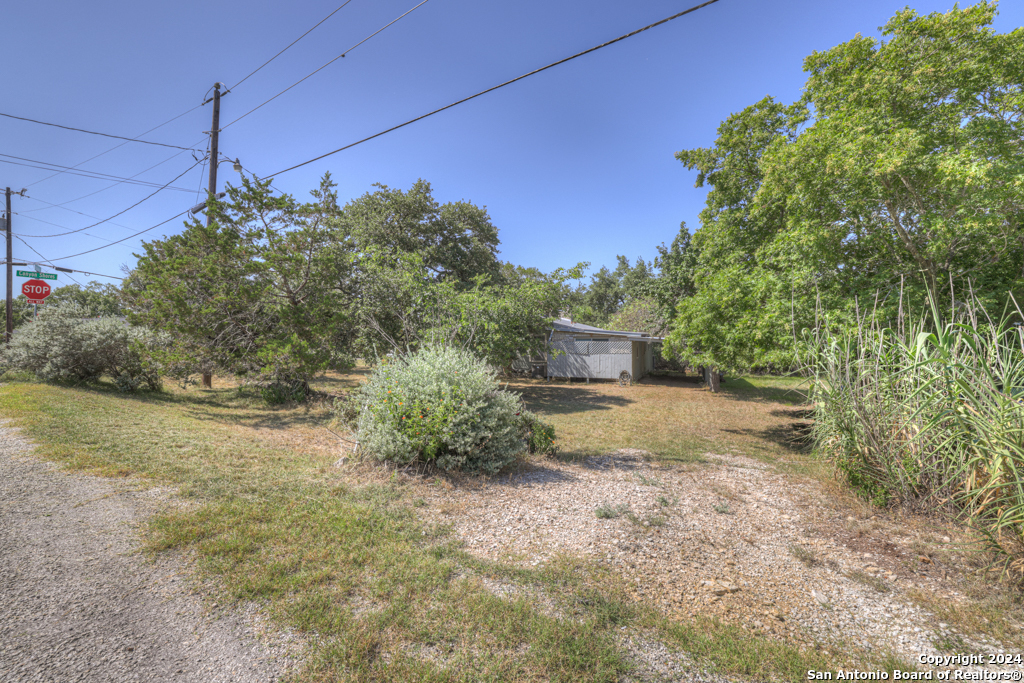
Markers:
62,345
442,406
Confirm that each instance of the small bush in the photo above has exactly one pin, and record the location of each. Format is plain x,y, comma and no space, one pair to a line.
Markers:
539,435
442,406
276,393
61,345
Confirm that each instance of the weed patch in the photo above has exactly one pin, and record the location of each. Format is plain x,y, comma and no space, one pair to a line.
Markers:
608,511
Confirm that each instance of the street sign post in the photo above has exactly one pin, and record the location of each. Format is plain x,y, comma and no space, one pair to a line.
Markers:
36,291
36,274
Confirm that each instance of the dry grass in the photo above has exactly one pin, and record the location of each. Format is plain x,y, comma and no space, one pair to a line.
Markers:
675,419
271,519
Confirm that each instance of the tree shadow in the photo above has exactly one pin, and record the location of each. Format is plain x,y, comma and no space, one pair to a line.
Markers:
263,417
333,382
792,437
742,389
561,399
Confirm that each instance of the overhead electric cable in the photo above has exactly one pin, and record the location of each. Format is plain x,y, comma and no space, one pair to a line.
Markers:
63,205
45,260
60,206
140,232
92,132
62,227
253,73
278,190
85,272
501,85
119,146
324,66
71,232
202,171
96,175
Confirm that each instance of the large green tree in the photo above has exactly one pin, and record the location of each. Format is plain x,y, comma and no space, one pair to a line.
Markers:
728,311
262,291
913,168
455,241
900,170
499,319
97,299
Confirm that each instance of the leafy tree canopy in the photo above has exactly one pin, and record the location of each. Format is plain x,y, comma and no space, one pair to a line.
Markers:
262,289
454,241
901,167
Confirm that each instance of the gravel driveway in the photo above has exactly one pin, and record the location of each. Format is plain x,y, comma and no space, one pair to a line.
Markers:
79,603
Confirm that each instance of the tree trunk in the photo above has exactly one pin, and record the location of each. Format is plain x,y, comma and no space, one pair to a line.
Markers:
207,380
713,379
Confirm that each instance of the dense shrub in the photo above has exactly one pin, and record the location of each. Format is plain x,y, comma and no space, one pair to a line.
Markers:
276,393
539,435
62,345
443,406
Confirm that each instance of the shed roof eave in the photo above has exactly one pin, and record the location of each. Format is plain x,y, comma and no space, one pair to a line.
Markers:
564,325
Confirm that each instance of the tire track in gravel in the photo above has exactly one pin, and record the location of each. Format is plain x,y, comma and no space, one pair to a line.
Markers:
79,603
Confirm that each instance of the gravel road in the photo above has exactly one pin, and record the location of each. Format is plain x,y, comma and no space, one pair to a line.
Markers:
79,603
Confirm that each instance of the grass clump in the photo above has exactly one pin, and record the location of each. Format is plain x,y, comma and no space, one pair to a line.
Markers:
868,580
722,508
647,481
608,511
805,555
443,406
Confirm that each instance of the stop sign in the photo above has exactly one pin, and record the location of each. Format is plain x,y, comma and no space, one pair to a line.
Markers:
36,291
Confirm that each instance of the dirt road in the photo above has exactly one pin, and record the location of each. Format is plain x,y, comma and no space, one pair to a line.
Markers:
78,602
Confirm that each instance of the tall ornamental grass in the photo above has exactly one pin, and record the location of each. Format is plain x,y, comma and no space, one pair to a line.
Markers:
929,415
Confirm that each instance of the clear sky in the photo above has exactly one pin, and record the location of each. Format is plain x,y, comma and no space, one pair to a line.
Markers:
573,164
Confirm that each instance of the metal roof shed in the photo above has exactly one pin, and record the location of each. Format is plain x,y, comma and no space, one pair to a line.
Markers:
583,351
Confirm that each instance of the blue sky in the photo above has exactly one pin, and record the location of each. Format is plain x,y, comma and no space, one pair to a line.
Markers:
573,164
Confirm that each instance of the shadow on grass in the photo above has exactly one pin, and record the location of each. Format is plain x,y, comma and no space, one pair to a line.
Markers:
560,399
743,389
791,437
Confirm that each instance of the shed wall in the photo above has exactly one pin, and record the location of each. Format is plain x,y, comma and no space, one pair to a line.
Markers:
590,356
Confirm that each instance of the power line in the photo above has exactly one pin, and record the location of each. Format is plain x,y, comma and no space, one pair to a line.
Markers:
96,175
202,171
62,227
71,232
85,272
278,190
324,66
106,135
45,259
63,205
140,232
60,206
496,87
289,46
119,146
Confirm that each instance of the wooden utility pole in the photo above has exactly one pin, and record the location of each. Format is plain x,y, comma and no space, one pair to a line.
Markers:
10,274
214,135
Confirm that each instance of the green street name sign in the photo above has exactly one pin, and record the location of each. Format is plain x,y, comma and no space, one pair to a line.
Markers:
32,273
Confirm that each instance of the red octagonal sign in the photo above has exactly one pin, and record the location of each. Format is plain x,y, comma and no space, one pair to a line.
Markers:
36,291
